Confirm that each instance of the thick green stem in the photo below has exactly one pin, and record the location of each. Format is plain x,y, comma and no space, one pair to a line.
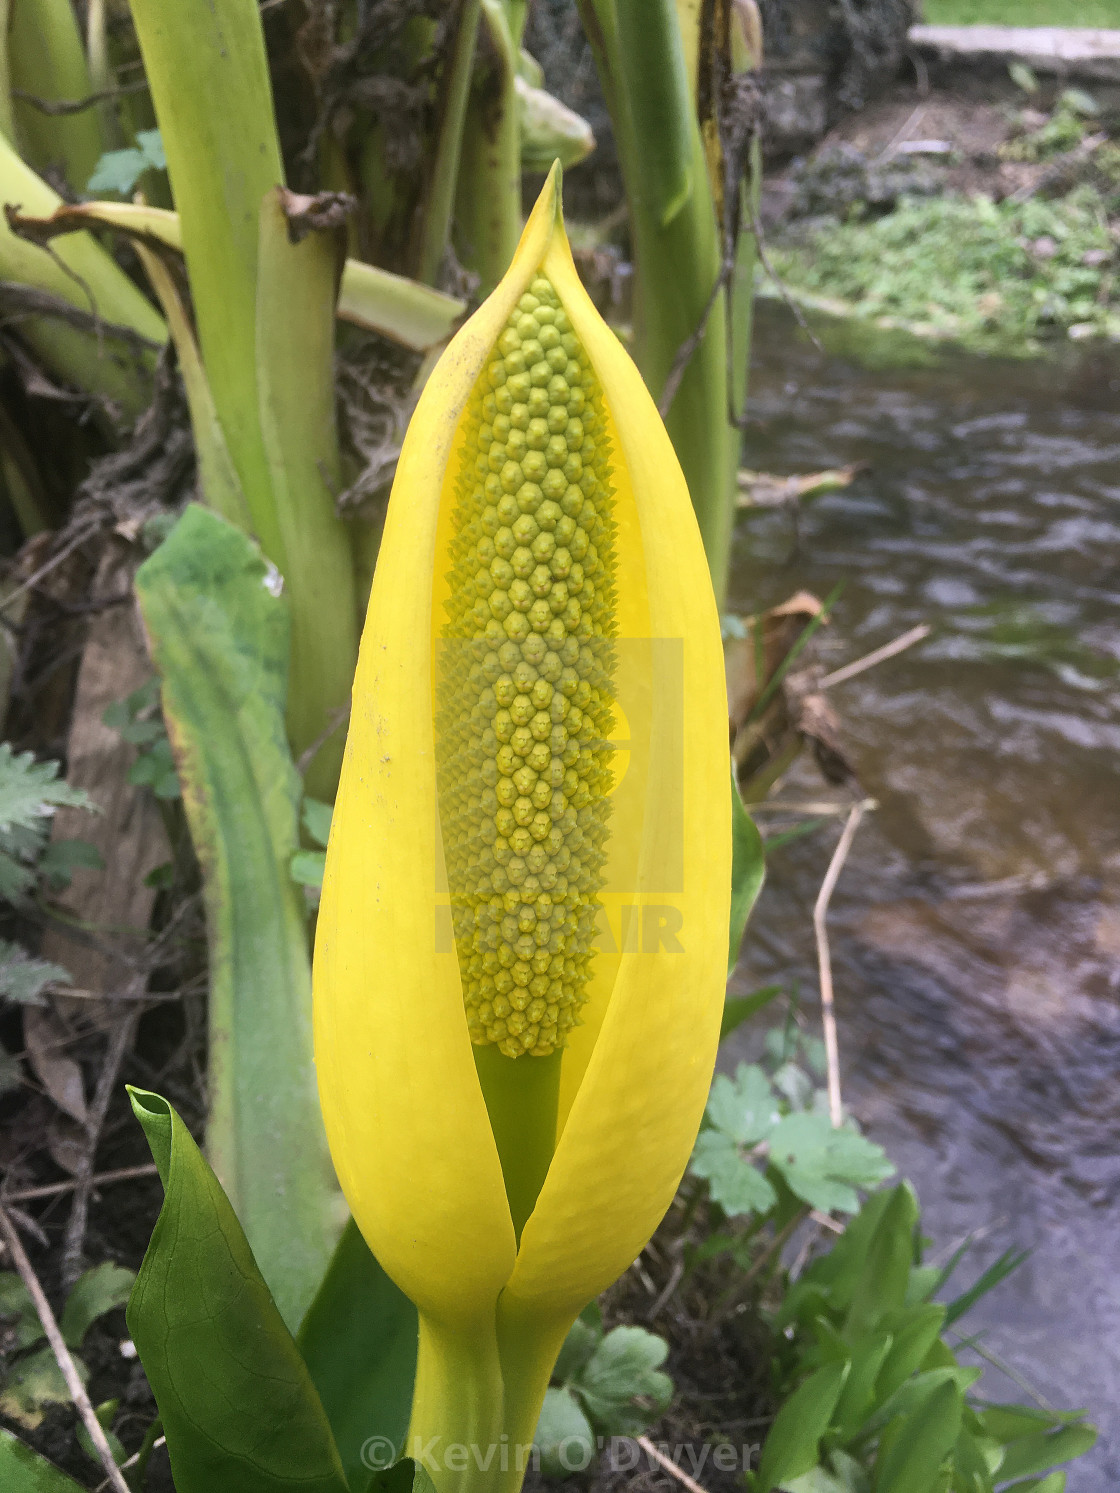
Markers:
488,206
676,246
47,60
522,1096
456,1426
436,227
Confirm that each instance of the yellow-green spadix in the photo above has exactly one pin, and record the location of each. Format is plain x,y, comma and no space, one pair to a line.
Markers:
521,945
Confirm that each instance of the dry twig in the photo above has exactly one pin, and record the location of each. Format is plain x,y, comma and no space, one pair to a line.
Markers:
878,656
102,1179
62,1355
669,1465
824,960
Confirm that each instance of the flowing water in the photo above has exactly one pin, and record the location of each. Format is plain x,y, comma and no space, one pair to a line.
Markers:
976,926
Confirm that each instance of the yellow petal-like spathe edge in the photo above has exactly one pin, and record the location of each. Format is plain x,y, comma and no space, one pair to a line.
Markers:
404,1112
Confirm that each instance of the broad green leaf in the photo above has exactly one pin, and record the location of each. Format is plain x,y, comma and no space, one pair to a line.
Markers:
238,1406
793,1446
564,1438
881,1286
17,1312
25,1471
825,1166
915,1392
1054,1482
98,1291
22,978
744,1107
912,1462
857,1398
61,858
358,1340
734,1183
1010,1422
1042,1451
32,1384
914,1335
748,871
118,171
219,638
625,1368
740,1008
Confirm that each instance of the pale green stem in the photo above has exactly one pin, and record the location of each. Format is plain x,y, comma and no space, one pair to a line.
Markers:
46,58
436,228
488,206
529,1347
676,261
457,1405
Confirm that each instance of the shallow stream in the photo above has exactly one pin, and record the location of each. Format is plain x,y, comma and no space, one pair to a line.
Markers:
976,926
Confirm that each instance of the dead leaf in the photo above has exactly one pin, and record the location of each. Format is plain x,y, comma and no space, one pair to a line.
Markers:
45,1036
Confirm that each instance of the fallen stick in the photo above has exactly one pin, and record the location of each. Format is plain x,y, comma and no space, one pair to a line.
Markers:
669,1465
824,961
61,1352
869,660
101,1179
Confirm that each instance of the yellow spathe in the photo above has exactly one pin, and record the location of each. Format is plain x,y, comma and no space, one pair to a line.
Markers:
404,1112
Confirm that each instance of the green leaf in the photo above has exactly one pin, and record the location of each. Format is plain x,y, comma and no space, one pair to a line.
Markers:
825,1166
584,1336
858,1396
564,1438
22,978
1055,1482
1009,1261
744,1107
914,1335
1010,1422
316,819
734,1183
219,638
238,1406
792,1448
550,131
740,1008
118,171
748,871
915,1392
61,858
32,1384
881,1286
98,1291
912,1461
621,1386
31,791
25,1471
308,867
17,1311
1037,1453
358,1340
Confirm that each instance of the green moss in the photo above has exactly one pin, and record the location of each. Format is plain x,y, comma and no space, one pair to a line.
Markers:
995,277
1021,13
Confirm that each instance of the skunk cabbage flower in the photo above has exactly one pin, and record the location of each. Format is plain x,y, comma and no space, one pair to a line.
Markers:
521,945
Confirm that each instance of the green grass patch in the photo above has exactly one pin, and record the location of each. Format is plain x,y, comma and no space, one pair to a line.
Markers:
996,277
1022,13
